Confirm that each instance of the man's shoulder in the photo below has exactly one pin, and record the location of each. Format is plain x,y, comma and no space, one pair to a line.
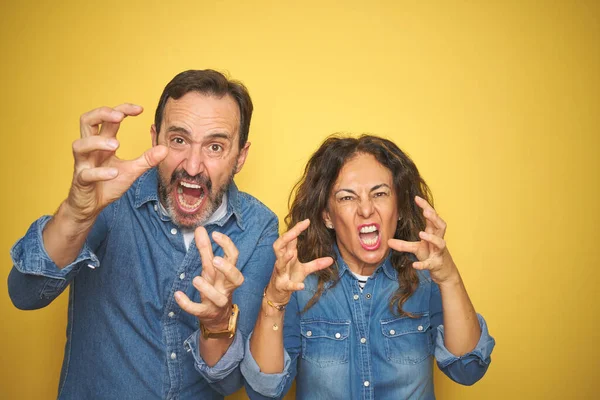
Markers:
250,205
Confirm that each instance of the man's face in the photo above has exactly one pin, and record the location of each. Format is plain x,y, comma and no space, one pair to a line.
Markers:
202,135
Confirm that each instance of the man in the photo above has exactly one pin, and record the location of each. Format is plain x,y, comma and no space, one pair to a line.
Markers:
131,239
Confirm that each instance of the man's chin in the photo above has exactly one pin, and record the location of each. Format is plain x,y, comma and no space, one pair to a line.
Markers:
189,221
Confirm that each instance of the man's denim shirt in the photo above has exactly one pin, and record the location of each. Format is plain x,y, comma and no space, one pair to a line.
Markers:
349,345
126,336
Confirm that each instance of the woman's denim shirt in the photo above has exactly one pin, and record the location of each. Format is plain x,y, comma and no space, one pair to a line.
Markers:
350,344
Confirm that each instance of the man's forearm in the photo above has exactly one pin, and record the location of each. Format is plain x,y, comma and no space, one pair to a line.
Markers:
64,236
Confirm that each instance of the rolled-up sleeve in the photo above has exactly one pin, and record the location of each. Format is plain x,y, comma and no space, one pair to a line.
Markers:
265,385
35,280
468,368
225,366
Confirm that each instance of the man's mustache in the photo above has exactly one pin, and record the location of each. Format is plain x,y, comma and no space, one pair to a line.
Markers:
199,179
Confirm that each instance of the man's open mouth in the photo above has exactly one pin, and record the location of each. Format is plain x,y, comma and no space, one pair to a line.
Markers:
369,237
190,196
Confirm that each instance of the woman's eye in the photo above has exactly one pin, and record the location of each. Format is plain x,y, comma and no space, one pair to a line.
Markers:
346,198
380,194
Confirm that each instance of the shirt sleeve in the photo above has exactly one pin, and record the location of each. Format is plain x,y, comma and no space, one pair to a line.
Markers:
225,366
35,280
225,377
274,386
468,368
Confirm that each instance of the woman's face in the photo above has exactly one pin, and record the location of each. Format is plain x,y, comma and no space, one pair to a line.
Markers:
362,208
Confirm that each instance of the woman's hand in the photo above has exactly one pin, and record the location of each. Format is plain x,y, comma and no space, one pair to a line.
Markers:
289,273
431,250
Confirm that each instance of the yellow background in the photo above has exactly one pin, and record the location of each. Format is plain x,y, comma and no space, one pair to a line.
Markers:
498,104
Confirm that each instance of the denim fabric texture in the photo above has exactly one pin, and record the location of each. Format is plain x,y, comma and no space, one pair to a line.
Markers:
350,345
126,336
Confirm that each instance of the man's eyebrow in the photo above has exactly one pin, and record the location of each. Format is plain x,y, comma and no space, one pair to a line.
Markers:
179,129
185,132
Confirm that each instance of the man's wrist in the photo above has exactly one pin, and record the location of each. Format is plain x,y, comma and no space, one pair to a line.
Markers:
220,330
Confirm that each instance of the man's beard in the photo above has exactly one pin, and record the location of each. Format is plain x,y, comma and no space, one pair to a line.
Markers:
167,191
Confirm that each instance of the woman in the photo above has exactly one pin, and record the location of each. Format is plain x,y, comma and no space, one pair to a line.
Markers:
381,296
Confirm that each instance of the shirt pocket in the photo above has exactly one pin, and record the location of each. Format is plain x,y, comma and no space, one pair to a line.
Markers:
325,342
407,340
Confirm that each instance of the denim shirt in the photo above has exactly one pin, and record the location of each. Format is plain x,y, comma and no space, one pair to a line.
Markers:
126,336
349,345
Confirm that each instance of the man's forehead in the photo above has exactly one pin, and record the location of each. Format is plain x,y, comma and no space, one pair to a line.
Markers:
201,105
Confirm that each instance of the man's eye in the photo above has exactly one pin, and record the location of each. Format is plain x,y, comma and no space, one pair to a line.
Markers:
178,140
346,198
216,148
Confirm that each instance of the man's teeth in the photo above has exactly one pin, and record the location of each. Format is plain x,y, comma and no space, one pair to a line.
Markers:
189,185
368,229
185,204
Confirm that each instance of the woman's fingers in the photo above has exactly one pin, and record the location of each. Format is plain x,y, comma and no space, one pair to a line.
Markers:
281,244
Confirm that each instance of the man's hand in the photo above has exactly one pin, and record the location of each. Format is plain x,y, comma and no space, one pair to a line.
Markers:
100,177
216,284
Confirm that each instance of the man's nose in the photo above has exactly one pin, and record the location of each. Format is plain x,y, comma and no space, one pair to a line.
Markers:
194,161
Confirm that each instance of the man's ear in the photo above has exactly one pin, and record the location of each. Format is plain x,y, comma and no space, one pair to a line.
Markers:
242,157
154,135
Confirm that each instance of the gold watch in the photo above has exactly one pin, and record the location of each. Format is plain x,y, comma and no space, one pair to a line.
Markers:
227,333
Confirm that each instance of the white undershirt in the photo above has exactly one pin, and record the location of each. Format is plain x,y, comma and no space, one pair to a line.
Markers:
362,280
188,234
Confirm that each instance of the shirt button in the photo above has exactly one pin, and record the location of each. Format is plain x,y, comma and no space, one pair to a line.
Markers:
363,340
355,297
366,383
173,231
337,336
368,295
155,207
182,276
171,314
392,332
309,333
420,327
173,356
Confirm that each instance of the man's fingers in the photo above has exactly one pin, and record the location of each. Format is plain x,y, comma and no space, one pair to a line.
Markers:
231,252
205,250
149,159
317,265
110,129
89,122
209,293
189,306
92,175
84,146
229,271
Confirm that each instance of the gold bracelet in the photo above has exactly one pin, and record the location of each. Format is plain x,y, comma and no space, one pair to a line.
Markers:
278,307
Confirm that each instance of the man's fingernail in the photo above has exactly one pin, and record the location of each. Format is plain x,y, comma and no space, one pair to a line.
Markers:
218,261
112,143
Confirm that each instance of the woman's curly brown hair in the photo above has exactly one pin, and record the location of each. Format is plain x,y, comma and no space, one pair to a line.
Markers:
309,197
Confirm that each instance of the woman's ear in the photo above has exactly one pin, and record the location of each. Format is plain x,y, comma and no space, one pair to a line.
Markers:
327,220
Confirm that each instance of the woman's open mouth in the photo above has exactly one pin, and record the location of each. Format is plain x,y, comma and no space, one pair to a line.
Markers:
369,237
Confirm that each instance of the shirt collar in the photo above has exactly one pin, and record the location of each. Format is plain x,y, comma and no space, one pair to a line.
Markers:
146,190
387,267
